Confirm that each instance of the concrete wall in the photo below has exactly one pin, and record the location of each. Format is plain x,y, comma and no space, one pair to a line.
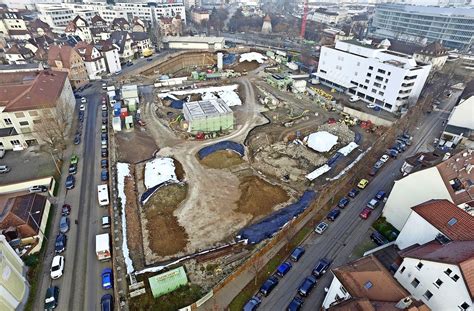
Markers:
416,231
179,61
23,186
42,225
367,117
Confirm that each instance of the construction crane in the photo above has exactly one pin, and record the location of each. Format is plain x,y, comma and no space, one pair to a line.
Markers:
303,21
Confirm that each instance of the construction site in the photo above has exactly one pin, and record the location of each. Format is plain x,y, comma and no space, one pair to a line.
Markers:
224,144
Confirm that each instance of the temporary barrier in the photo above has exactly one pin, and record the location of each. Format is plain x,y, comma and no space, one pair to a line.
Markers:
268,226
223,145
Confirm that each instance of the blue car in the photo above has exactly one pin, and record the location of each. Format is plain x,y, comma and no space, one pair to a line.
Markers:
104,175
353,193
297,253
380,195
343,202
252,304
295,304
284,268
307,286
321,267
107,278
269,285
70,182
333,214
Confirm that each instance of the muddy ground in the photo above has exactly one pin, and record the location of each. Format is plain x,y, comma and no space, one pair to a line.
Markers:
134,146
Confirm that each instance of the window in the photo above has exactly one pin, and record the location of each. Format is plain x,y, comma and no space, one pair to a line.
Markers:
378,78
455,278
381,93
438,283
343,290
377,84
415,283
389,73
367,80
402,269
370,67
419,265
448,271
428,295
358,63
381,71
15,142
323,71
464,306
374,91
7,121
24,123
369,74
19,114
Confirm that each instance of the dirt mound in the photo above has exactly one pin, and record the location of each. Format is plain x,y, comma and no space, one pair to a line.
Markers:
166,236
222,159
258,197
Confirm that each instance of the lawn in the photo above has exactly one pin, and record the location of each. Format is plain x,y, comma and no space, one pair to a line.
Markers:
386,229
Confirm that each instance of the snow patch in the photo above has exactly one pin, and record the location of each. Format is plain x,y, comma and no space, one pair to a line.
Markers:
346,150
158,171
318,172
321,141
123,171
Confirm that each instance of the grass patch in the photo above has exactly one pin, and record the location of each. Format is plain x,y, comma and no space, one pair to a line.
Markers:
249,290
33,264
386,229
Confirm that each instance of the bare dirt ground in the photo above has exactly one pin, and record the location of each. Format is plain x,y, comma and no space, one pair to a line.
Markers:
166,236
143,146
134,229
259,197
222,159
245,66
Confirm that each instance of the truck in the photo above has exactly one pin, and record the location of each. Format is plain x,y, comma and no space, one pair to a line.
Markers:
102,246
103,195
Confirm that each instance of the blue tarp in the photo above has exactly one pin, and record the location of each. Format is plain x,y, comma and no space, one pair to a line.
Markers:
268,226
332,160
177,104
229,59
223,145
357,137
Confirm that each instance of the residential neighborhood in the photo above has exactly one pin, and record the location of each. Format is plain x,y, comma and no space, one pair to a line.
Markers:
237,155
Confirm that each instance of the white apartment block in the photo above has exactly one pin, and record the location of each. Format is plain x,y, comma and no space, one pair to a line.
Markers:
152,10
56,16
327,17
388,79
436,275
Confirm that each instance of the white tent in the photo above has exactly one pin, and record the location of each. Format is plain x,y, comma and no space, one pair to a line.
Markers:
321,141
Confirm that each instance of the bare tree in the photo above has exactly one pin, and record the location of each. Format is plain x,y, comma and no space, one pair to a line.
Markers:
53,127
255,267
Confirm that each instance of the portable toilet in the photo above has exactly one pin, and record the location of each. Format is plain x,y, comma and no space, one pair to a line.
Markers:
132,105
117,108
123,113
117,124
128,122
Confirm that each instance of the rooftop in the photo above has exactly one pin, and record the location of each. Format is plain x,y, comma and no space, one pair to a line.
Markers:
462,114
21,91
452,221
26,209
206,108
367,278
210,40
430,10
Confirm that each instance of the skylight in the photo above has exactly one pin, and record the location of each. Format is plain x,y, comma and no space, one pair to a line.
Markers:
452,222
368,285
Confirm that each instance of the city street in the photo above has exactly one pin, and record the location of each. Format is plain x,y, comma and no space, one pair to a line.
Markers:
339,240
80,286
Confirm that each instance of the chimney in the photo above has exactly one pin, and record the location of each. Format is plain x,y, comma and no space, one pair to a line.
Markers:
404,303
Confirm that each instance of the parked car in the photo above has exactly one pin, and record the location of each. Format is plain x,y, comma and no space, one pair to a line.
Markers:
104,114
104,121
107,278
380,195
295,304
103,129
104,106
4,169
307,286
104,163
51,298
64,224
321,227
297,253
74,159
372,204
371,106
378,164
353,193
365,213
83,100
333,214
39,188
72,169
378,238
321,267
252,304
57,267
149,59
77,139
343,202
103,136
70,182
283,269
104,175
60,243
129,63
82,107
105,222
354,98
106,303
373,171
362,183
393,153
269,285
384,158
66,210
104,152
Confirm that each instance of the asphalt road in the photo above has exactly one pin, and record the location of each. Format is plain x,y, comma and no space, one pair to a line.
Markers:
80,285
339,240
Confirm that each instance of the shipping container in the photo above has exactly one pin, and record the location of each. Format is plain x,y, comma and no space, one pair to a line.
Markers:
123,112
117,124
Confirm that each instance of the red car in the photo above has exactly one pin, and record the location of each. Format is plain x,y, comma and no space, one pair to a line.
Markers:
365,213
66,210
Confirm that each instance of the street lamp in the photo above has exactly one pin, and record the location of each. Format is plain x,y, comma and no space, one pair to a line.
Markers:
39,228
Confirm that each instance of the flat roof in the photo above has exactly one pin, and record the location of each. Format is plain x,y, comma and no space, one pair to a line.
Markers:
194,39
206,108
429,10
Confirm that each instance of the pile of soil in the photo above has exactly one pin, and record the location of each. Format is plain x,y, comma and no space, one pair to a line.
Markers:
167,237
222,159
258,197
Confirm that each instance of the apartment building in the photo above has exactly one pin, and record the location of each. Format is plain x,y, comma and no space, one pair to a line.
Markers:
198,15
459,129
93,59
388,79
124,41
79,27
324,16
439,274
27,99
450,25
65,58
110,52
56,16
13,26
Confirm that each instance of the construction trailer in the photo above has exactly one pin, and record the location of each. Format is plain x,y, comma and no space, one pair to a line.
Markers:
208,116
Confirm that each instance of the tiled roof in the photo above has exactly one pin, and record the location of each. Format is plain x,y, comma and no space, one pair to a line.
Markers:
17,32
62,53
119,38
105,45
18,49
37,23
21,91
23,210
364,304
459,253
452,221
97,19
367,278
434,49
139,36
120,22
86,51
